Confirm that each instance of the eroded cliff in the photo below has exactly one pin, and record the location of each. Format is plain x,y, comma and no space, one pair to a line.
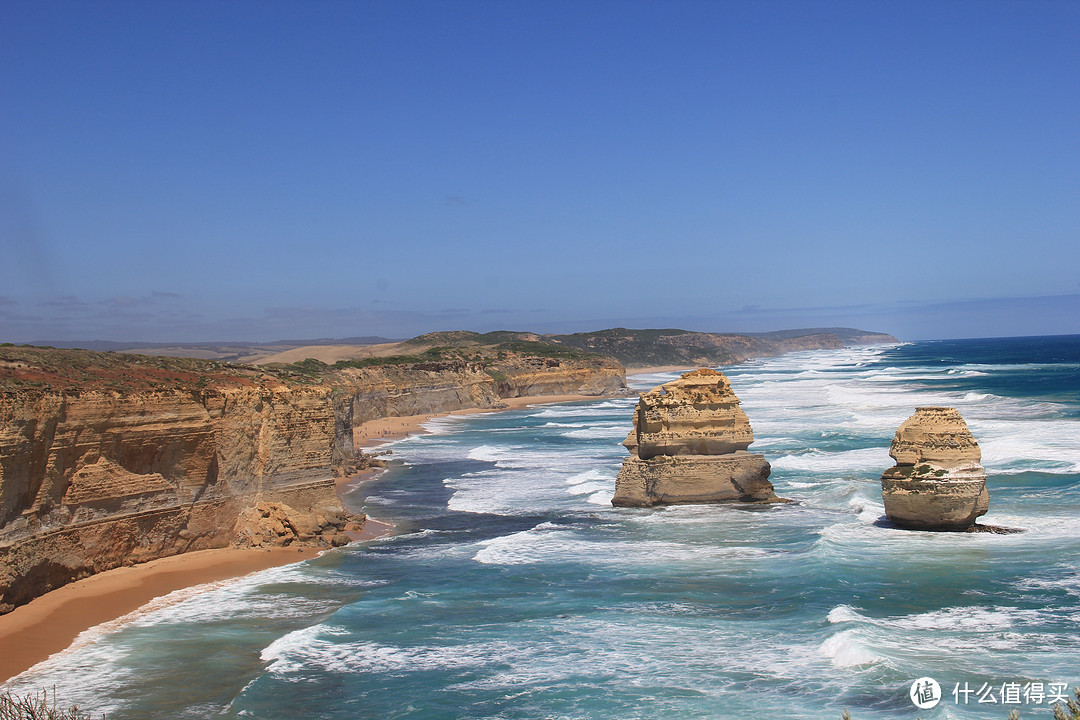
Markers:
110,459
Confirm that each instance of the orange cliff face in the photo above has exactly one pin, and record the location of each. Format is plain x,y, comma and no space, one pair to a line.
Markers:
109,459
92,481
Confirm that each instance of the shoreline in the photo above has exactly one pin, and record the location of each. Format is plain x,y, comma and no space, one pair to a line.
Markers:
373,433
52,622
651,369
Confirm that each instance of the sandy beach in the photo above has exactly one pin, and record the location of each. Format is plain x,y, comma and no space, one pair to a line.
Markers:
52,622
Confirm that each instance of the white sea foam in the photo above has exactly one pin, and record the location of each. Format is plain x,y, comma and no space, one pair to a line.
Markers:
962,620
847,461
599,432
490,453
325,648
845,613
590,475
558,543
603,498
846,650
443,425
587,488
1063,577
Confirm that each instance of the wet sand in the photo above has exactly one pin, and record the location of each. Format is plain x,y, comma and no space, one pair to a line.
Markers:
50,623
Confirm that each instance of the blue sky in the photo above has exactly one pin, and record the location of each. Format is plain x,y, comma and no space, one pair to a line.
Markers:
265,170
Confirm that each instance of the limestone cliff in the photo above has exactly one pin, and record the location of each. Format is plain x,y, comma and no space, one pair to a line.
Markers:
442,386
937,482
93,480
109,459
689,445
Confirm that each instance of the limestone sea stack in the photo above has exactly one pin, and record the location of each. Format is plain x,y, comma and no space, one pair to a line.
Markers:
689,445
937,482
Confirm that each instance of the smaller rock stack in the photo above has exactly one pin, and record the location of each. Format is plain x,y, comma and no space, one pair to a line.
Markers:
689,445
937,482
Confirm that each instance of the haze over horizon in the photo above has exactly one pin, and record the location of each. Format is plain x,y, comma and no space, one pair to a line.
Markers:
202,171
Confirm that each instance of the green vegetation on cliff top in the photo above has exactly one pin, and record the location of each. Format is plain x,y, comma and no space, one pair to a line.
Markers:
26,368
665,346
451,357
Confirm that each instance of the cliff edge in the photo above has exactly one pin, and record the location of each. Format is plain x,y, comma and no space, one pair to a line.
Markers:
110,459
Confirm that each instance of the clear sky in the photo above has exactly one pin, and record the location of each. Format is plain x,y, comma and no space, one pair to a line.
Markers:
265,170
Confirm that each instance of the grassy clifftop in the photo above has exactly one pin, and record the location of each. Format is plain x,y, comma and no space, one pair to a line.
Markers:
642,348
27,368
24,367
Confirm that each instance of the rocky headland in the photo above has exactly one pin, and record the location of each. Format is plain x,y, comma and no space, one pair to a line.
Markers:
109,459
938,482
689,445
685,348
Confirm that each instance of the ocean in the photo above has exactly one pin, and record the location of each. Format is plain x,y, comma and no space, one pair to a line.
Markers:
514,590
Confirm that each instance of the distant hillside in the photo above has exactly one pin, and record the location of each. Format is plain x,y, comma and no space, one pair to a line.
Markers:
632,348
239,351
651,348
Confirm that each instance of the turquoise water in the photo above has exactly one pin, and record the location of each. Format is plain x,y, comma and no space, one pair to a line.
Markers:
516,591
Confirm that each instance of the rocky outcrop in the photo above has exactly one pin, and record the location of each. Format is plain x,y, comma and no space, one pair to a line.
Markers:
937,482
109,460
277,524
689,445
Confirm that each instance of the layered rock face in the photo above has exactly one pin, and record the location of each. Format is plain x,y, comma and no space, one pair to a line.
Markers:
92,481
689,445
109,460
439,387
937,482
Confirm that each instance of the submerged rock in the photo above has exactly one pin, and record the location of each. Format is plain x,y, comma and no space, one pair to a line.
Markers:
937,482
689,445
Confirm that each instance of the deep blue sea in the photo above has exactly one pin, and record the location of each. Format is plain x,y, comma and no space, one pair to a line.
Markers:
515,590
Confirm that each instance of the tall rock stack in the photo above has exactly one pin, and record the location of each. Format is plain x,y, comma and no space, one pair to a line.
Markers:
937,482
689,445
